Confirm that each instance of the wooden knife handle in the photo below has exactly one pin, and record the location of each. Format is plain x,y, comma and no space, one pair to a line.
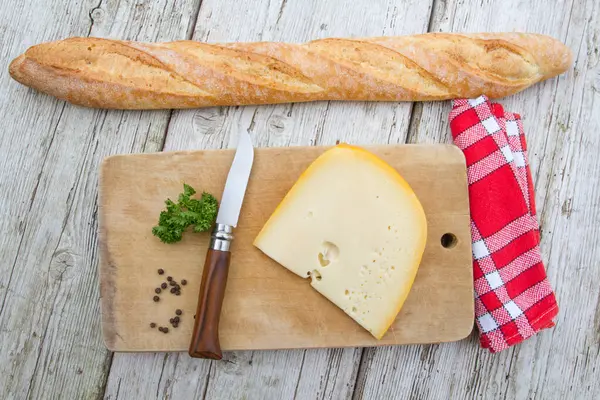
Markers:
205,338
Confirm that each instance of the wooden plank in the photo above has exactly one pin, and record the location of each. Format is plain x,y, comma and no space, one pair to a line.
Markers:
129,377
561,119
328,374
266,306
31,123
50,340
296,124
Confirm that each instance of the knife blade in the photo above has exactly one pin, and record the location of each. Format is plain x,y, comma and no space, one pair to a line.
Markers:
237,180
205,336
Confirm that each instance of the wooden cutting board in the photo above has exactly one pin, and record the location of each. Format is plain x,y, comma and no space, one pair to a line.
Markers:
266,306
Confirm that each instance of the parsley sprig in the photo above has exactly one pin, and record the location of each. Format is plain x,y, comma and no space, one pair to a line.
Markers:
199,213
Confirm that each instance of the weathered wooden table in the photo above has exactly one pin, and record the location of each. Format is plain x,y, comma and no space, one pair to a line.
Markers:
50,345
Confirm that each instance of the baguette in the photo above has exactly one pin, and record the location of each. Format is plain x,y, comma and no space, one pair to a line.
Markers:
106,73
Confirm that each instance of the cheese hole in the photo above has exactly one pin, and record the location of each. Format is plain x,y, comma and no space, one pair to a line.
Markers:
353,309
346,292
392,268
322,260
329,253
449,240
363,270
315,275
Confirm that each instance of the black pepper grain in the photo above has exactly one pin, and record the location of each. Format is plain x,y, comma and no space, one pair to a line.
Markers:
160,328
183,282
163,285
172,283
169,278
178,312
161,271
177,293
166,330
152,325
156,298
172,320
157,290
176,320
173,290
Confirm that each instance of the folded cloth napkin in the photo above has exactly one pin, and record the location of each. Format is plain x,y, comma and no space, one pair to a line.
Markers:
513,299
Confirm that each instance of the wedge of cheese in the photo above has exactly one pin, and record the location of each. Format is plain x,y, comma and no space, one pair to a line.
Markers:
355,226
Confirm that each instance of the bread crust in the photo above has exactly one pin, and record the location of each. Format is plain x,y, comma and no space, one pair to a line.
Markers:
105,73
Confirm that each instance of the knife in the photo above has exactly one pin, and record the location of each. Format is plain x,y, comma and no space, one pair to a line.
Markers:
205,337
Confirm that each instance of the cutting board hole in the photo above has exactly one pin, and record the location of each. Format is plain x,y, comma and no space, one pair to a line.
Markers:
449,240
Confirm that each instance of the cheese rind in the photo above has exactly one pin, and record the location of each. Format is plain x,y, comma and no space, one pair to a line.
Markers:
355,226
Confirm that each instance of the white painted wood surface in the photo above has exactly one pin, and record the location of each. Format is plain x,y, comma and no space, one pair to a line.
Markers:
50,345
50,337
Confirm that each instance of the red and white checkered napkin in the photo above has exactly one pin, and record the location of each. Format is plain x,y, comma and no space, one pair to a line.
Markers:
513,299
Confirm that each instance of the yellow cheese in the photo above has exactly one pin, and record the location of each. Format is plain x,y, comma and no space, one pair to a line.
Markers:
355,226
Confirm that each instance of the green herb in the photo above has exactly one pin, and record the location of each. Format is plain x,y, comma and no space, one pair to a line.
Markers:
201,213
